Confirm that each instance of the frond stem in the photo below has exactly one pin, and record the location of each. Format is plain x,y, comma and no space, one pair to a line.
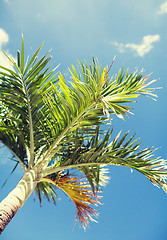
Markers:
31,163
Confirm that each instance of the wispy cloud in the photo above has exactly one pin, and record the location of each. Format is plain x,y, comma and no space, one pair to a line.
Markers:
4,39
163,8
139,49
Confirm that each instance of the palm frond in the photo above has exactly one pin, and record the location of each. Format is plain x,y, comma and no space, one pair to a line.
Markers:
88,156
9,137
21,98
47,190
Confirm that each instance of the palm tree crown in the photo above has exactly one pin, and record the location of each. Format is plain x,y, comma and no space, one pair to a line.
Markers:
53,127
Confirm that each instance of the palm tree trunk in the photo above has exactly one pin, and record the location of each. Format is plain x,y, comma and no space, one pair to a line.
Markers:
16,198
8,209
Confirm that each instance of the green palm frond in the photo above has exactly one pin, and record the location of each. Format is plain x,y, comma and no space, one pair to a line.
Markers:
87,156
47,190
21,98
9,137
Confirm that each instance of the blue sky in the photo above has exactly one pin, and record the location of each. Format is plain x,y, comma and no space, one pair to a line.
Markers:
134,31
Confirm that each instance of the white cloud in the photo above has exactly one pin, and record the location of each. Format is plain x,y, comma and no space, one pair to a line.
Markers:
4,39
7,1
163,8
140,49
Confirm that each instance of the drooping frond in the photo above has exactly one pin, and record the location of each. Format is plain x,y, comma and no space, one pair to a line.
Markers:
124,152
47,190
88,156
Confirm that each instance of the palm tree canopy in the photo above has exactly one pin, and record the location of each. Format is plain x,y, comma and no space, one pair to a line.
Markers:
55,125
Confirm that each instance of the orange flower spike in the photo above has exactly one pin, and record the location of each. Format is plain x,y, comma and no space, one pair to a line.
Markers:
80,193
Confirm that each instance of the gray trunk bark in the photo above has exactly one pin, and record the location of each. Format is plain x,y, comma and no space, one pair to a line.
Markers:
8,209
16,198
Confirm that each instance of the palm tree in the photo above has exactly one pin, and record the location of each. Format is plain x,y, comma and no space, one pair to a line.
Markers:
56,130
